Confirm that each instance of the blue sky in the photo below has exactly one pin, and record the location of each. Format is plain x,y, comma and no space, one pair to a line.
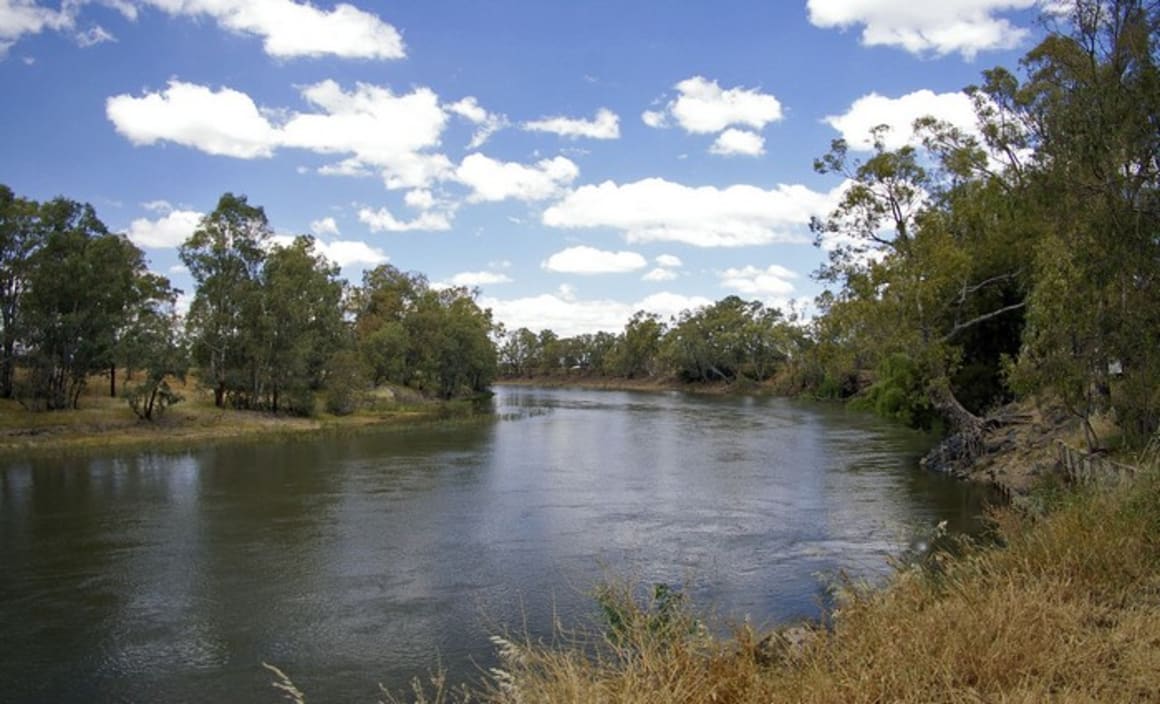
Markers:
577,161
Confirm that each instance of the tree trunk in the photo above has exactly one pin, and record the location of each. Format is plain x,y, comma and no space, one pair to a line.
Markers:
219,394
965,442
112,381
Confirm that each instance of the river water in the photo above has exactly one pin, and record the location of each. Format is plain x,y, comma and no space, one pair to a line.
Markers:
357,560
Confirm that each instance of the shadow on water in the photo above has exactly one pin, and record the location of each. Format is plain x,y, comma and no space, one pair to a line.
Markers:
351,560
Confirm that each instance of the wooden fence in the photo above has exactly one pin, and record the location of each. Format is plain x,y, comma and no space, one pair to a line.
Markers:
1085,468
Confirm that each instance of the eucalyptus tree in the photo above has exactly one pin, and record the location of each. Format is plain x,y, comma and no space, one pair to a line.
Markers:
224,256
19,238
302,297
1092,97
83,286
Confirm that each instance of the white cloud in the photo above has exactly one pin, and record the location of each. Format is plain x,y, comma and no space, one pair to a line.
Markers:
656,210
774,280
589,260
654,118
420,199
899,114
382,220
486,123
735,142
178,269
291,29
324,226
346,253
157,206
568,315
380,129
659,274
703,107
21,17
492,180
949,26
170,230
370,125
669,260
606,125
223,122
472,279
351,167
93,36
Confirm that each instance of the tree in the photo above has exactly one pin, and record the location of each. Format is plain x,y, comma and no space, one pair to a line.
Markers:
19,238
638,348
301,295
1092,98
925,255
225,257
153,340
83,284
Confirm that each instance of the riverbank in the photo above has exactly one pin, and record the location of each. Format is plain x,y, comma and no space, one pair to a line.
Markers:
103,423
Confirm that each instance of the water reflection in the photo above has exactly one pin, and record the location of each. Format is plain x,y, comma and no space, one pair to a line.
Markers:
360,559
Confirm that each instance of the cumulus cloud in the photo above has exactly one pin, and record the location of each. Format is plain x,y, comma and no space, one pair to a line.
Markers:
471,279
420,199
486,123
324,226
224,122
735,142
669,260
569,315
659,274
657,210
774,280
382,220
491,180
21,17
899,114
94,35
654,118
344,253
292,29
169,230
378,128
951,26
703,107
606,125
589,260
371,126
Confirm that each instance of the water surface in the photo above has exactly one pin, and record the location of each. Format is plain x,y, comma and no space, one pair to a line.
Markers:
350,561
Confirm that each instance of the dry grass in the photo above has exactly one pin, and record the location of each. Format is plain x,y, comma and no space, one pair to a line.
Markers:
1065,609
103,423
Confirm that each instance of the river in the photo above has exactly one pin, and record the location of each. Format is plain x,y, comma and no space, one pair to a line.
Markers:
353,560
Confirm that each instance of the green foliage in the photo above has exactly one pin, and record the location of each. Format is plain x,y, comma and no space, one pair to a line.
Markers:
899,393
435,341
346,382
662,616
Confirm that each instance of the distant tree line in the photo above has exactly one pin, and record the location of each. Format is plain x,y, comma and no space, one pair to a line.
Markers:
729,341
270,325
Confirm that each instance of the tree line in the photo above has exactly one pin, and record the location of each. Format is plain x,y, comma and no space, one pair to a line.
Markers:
270,326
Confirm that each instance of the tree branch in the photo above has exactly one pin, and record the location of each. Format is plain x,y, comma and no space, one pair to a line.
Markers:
959,327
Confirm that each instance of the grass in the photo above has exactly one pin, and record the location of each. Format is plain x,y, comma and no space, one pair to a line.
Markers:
1064,608
102,422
